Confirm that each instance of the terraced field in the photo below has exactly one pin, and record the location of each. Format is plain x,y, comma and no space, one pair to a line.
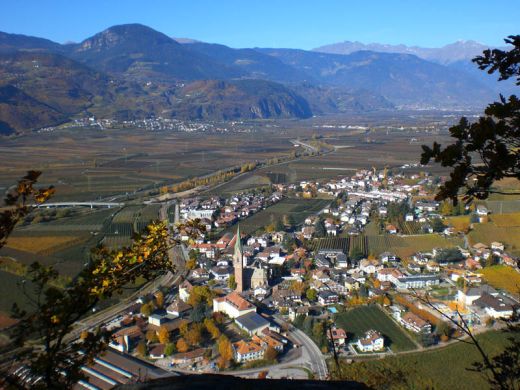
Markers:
358,320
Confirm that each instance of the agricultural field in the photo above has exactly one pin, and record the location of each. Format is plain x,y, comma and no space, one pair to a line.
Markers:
44,245
409,227
503,277
506,220
298,209
147,215
358,320
503,206
486,233
243,182
342,243
358,246
445,368
460,223
404,246
11,292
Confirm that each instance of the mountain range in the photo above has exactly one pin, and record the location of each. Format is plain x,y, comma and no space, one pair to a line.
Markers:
132,71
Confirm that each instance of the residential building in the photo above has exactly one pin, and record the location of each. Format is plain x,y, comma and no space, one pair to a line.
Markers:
233,305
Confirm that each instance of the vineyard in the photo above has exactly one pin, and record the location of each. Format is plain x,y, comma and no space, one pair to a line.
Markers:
123,222
489,232
410,227
358,246
44,245
506,220
147,215
404,246
342,243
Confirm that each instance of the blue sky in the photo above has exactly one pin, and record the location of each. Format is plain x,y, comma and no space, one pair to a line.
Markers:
280,23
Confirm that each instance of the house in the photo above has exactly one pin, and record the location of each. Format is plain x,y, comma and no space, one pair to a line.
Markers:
327,297
386,257
409,217
200,273
338,336
298,311
468,296
497,246
184,290
414,323
389,275
245,351
371,341
125,339
157,352
188,358
351,284
156,319
496,306
233,305
370,266
267,339
417,281
482,210
391,229
178,308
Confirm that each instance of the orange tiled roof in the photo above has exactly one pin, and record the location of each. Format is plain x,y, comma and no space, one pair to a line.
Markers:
237,301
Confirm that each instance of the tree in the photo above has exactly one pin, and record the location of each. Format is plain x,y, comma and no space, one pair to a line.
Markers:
191,264
151,336
320,230
270,354
437,225
212,328
182,345
311,294
164,335
194,335
200,294
232,284
169,349
225,350
55,310
487,150
146,309
141,349
159,299
199,312
297,286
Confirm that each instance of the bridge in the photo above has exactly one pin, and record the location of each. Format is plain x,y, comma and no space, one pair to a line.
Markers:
92,205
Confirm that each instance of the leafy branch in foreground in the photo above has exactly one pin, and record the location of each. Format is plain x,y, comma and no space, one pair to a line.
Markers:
489,149
44,331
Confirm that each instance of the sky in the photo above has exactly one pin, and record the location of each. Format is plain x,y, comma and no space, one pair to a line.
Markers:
302,24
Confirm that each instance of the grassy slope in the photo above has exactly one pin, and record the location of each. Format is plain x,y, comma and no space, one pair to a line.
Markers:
357,321
444,368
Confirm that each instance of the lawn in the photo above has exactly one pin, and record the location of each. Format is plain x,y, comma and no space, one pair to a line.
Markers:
445,368
503,277
358,320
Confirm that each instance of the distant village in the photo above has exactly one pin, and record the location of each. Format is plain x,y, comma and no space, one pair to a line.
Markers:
246,293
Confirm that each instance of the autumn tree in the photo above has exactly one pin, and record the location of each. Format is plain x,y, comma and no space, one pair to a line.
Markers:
212,328
200,294
159,299
298,287
164,335
487,150
225,350
194,334
141,349
270,354
182,345
146,309
232,284
151,336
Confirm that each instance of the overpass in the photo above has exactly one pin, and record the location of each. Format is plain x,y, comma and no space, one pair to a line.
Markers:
92,205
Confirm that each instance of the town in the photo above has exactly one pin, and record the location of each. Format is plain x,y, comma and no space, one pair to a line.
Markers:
257,301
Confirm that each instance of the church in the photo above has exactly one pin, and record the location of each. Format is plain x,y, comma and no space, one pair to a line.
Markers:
246,277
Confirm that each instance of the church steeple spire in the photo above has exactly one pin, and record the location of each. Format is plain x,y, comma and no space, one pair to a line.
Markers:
238,261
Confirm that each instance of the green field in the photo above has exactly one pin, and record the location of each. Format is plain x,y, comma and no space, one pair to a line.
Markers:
358,320
445,368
